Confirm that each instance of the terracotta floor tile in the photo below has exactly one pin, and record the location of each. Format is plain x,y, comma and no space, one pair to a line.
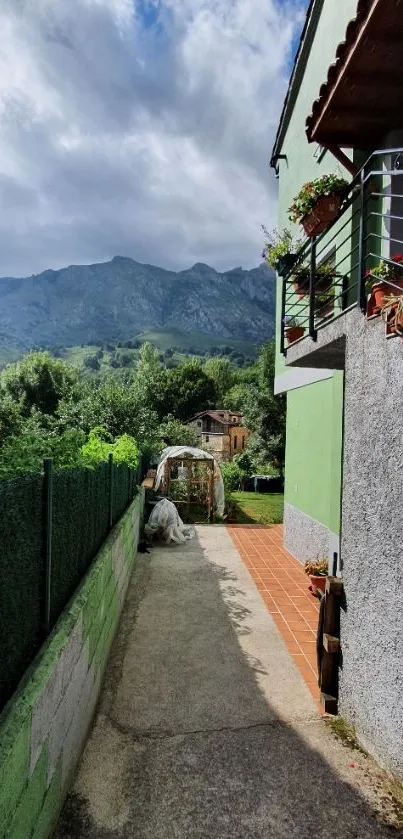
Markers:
292,647
296,623
283,587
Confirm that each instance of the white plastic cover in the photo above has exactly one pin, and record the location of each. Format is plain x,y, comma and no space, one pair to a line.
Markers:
195,454
166,520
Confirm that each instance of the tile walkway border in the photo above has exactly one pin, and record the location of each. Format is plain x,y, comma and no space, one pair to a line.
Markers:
283,586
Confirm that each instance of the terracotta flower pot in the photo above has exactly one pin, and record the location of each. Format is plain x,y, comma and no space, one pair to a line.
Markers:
293,333
300,289
325,211
317,583
378,294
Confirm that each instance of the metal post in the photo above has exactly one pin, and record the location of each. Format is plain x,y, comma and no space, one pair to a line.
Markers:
361,298
110,462
312,273
283,296
47,524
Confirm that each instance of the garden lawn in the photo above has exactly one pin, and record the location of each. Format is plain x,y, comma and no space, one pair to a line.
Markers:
258,508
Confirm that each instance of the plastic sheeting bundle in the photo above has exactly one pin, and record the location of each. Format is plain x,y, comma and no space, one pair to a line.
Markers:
166,522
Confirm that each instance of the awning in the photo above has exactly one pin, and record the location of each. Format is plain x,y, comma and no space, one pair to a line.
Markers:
362,100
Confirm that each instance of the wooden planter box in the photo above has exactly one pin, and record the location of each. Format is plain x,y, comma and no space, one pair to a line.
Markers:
325,211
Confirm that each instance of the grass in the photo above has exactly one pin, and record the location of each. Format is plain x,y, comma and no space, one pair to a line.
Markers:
345,732
257,508
164,339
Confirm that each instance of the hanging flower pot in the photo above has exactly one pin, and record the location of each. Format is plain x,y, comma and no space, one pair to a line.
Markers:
325,211
281,250
285,264
318,203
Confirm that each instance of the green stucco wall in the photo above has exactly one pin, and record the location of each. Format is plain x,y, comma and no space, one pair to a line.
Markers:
43,728
304,161
314,410
313,456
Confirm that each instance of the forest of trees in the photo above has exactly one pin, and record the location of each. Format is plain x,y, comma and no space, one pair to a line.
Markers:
47,409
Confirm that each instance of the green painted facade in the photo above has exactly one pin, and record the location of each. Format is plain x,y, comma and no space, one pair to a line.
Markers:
43,728
314,410
313,465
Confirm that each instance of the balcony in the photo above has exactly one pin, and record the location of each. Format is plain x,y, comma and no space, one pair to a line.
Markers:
349,272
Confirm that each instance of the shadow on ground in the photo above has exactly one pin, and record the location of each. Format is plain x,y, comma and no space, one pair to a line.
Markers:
205,728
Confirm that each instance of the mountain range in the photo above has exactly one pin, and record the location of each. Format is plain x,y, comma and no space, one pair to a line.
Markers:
118,299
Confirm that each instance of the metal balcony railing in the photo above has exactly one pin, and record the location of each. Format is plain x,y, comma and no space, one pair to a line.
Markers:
334,271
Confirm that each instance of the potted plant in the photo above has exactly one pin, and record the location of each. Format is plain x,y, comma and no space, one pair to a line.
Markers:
293,330
280,250
383,281
325,276
317,571
392,313
318,203
324,303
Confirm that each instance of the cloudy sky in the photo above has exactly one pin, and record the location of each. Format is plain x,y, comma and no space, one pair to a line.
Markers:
139,127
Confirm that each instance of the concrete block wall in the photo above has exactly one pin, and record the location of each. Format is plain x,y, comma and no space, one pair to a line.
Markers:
43,728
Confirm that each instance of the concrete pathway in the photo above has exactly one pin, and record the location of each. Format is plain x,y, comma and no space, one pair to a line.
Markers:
206,728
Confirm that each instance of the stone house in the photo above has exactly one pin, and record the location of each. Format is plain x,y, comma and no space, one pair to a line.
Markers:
220,432
343,372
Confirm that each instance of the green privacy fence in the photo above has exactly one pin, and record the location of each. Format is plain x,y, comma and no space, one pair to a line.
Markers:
51,528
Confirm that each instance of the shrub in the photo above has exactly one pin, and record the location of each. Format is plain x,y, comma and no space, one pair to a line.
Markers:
97,449
232,476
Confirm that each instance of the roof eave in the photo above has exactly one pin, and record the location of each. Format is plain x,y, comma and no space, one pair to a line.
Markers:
301,58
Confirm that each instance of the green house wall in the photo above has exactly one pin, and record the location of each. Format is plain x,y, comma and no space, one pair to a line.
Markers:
314,397
314,441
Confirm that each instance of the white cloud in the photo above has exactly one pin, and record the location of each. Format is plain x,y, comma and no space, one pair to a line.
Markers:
144,131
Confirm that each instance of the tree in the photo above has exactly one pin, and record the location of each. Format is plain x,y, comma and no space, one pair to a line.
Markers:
188,390
221,373
150,382
11,420
38,381
263,413
125,359
25,452
92,362
173,432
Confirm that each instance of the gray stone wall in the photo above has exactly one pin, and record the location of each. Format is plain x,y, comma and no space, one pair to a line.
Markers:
304,537
371,677
371,686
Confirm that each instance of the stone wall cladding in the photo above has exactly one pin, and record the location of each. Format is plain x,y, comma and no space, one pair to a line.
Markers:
371,684
304,537
43,729
371,678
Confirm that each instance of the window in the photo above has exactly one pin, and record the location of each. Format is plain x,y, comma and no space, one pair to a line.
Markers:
199,423
235,442
243,442
207,438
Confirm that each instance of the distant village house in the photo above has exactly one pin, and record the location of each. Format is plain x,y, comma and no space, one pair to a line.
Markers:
220,432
